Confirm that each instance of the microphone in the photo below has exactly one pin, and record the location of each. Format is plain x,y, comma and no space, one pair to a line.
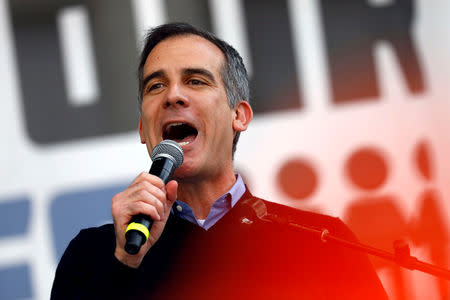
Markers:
167,156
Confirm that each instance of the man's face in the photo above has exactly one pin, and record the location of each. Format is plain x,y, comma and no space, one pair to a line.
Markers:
184,99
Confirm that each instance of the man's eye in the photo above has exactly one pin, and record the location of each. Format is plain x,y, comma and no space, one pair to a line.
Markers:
196,82
154,87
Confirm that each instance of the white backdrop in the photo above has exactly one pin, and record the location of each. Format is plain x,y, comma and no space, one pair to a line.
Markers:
321,133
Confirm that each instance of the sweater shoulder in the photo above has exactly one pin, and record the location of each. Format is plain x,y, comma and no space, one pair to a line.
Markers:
91,241
101,234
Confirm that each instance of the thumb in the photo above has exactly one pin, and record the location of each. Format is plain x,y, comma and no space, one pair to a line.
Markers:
171,192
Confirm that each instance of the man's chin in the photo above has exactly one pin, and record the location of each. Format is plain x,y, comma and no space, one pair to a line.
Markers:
184,173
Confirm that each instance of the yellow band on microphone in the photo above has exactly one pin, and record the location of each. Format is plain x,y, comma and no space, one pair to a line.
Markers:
138,227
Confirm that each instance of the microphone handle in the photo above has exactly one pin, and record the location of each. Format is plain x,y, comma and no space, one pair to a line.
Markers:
163,167
137,233
139,228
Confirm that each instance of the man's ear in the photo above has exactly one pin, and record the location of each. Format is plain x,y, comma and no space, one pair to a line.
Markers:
243,114
141,132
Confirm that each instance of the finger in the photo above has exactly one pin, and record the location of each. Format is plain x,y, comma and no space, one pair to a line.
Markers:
152,179
152,199
171,192
143,208
140,191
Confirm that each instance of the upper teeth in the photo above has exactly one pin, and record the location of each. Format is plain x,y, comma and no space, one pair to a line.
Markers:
183,143
174,124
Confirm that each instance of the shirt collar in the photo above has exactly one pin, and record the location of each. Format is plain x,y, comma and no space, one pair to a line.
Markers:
219,208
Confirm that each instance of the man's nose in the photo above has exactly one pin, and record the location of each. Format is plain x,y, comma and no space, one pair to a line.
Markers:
176,97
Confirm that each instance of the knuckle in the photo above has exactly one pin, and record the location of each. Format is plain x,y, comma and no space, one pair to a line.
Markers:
146,185
156,181
139,178
157,207
116,198
115,204
154,212
114,210
160,194
136,208
142,194
153,201
140,207
159,204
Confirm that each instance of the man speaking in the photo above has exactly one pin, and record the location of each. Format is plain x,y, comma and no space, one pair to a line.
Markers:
199,238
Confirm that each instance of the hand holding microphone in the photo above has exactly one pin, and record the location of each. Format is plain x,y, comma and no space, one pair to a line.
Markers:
147,203
166,156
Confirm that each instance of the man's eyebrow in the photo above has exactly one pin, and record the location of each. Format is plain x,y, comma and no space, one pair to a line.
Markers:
200,71
149,77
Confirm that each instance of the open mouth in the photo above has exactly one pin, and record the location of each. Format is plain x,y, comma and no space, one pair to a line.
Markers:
182,133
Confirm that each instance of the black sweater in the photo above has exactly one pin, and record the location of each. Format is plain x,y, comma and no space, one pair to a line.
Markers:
233,259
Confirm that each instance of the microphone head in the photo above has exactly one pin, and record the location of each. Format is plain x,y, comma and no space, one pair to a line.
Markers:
169,149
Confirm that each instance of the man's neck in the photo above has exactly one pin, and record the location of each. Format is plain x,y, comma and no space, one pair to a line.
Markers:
200,195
